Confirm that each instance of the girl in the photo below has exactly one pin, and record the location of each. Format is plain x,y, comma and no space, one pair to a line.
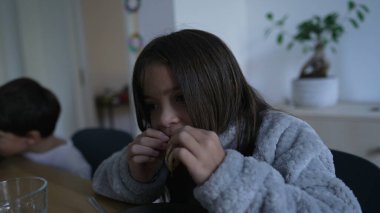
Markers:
235,153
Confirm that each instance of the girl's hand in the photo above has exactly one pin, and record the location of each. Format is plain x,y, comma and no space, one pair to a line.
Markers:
199,150
145,154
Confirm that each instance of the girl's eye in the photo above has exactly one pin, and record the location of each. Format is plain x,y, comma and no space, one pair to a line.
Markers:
180,98
150,107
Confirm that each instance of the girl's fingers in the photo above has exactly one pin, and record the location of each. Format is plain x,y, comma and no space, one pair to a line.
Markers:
185,139
152,133
187,158
145,154
143,159
148,146
199,150
151,139
195,140
152,143
137,149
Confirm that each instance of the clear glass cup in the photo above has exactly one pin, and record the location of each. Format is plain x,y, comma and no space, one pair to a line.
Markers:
23,195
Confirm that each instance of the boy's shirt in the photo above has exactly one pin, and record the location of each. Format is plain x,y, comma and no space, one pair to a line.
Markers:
66,157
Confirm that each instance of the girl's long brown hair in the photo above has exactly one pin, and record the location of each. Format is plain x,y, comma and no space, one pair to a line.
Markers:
214,88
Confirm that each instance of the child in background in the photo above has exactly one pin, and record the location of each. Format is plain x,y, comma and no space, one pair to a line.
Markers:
234,152
28,116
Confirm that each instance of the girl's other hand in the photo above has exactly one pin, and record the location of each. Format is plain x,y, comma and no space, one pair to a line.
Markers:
145,154
199,150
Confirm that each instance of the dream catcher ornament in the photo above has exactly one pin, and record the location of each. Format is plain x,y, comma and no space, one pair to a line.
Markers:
135,39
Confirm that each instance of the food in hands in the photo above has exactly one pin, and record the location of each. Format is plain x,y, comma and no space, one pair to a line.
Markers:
170,161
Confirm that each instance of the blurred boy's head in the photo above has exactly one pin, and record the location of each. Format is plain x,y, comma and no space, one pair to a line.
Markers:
28,111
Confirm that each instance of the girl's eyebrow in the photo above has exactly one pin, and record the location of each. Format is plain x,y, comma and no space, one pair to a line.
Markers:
170,90
165,92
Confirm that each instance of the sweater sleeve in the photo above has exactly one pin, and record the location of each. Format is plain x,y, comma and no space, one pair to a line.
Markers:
290,171
112,179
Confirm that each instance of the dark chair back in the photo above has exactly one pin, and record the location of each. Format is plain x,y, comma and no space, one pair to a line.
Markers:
362,176
97,144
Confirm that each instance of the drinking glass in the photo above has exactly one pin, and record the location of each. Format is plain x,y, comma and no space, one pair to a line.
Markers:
23,195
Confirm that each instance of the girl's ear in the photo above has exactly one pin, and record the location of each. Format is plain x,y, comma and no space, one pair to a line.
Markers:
32,137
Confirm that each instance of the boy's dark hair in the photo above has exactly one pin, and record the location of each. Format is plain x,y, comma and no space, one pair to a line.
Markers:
25,105
214,88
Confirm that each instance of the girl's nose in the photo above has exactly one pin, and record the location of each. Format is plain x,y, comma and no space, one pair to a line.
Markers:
168,117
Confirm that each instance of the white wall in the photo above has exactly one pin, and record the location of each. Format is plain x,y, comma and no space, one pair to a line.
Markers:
39,39
225,18
270,68
360,66
106,43
156,18
11,65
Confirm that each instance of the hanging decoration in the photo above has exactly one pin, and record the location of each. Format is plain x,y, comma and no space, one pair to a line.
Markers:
135,40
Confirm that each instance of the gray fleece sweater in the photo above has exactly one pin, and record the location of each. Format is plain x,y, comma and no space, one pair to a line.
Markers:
291,170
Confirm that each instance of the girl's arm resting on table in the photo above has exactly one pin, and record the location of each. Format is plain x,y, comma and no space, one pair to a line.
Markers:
296,177
112,179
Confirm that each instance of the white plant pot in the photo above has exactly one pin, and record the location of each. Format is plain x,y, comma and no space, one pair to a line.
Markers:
315,92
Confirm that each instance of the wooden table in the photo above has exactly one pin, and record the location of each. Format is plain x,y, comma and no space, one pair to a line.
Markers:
66,193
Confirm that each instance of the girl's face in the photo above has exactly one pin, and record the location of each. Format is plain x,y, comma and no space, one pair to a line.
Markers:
164,100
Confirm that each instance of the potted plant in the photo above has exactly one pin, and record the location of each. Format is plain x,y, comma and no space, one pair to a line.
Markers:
315,86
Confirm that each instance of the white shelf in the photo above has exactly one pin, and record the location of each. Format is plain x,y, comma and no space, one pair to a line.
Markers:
341,110
349,127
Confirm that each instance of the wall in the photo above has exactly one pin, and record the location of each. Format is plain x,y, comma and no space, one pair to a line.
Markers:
270,68
105,37
156,18
39,39
227,19
10,56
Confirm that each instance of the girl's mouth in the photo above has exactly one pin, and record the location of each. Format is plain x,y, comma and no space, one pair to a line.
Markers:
170,131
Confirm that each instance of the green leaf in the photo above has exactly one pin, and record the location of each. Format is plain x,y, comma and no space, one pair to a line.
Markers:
330,19
290,46
351,5
333,49
280,38
281,22
360,15
269,16
365,8
335,36
336,32
354,23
